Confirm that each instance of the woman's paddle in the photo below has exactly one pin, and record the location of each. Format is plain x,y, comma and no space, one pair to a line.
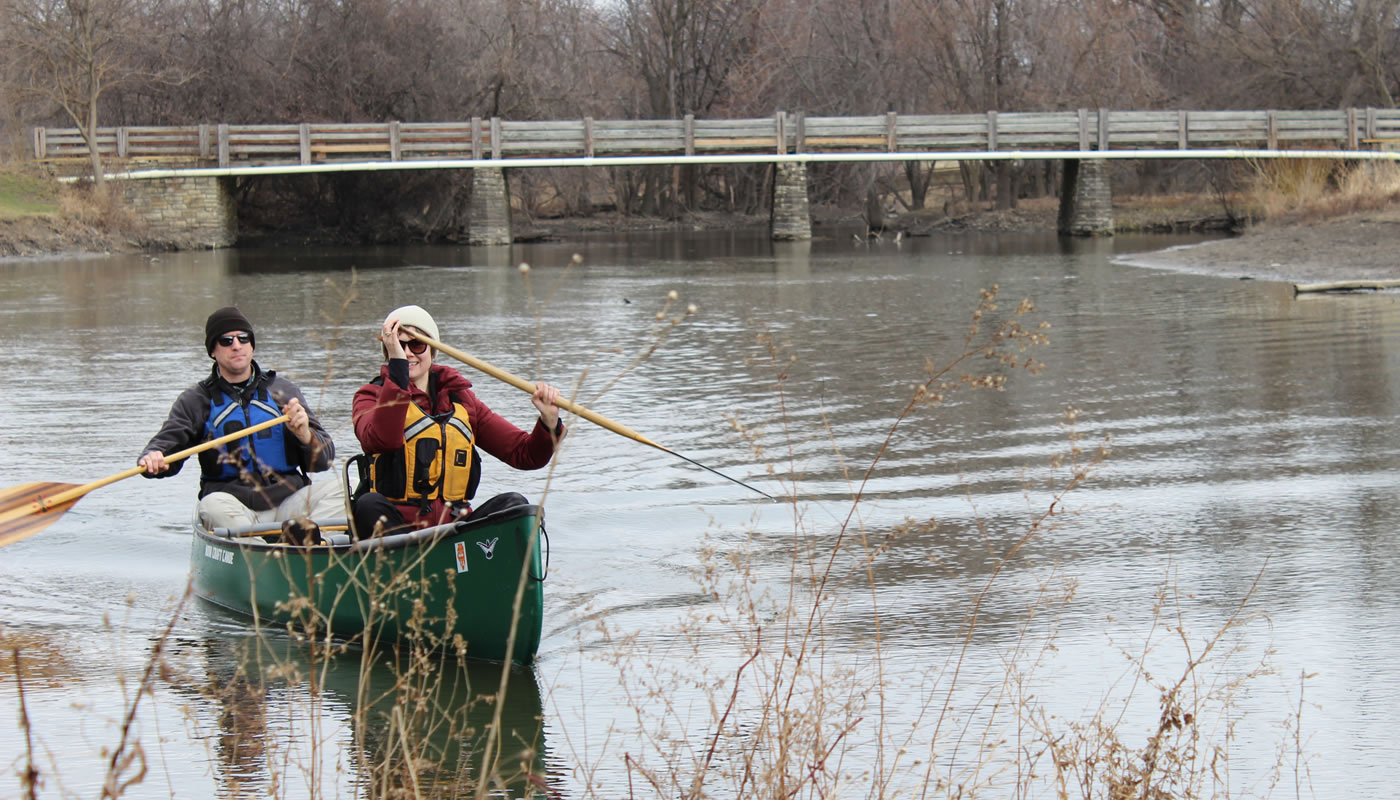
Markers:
31,507
592,416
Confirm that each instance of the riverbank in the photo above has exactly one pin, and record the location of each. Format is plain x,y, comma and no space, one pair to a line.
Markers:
53,237
1355,246
1360,246
57,235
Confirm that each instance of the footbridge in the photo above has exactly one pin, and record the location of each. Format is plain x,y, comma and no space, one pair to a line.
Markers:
179,177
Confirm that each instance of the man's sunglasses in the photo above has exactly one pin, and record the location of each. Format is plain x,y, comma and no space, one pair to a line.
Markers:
414,346
227,341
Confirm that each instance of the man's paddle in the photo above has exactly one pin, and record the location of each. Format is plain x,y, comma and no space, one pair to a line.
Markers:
31,507
592,416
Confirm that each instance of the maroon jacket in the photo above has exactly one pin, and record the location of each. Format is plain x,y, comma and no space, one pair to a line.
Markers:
379,411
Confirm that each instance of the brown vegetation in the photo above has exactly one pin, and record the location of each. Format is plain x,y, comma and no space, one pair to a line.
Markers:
1305,190
83,219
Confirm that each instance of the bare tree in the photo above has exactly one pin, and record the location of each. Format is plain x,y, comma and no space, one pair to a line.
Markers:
1301,54
683,50
72,52
681,54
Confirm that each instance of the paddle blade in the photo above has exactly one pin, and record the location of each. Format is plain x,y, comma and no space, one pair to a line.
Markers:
22,511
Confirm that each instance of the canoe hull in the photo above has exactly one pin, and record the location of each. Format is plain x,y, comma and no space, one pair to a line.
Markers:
428,586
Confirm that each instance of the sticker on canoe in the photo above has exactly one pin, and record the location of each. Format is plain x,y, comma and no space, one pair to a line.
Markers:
221,556
489,548
461,550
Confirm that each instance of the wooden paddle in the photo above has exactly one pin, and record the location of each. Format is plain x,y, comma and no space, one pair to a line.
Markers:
31,507
592,416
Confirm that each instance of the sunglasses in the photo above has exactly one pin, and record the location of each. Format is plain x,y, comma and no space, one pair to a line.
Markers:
414,346
227,341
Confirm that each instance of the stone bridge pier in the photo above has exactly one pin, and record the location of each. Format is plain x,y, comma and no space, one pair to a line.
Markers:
791,218
489,214
1086,199
187,212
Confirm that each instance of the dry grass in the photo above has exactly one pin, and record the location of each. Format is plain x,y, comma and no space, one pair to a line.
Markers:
1183,211
1307,190
30,193
99,207
40,217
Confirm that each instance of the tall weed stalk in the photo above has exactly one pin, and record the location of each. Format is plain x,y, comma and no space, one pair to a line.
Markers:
802,713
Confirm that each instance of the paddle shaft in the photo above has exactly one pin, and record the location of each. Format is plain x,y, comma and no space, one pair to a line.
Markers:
592,416
41,504
529,388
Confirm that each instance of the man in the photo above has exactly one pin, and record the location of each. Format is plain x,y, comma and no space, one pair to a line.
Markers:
263,477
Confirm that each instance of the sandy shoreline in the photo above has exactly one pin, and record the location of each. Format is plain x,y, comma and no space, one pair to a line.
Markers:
1361,246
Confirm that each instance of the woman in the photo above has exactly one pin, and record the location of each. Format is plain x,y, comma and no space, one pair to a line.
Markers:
422,429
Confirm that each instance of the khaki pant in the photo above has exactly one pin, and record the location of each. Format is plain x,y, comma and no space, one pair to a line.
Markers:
324,499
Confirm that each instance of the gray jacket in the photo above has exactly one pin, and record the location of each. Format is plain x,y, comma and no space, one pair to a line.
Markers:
186,426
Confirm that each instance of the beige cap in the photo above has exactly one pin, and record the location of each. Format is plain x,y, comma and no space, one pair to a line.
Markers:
415,316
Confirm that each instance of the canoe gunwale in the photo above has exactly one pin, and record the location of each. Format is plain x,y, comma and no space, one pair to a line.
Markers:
380,543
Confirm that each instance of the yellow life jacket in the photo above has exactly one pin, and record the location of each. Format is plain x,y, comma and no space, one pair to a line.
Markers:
438,460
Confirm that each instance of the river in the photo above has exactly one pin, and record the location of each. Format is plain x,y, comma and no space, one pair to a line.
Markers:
1234,551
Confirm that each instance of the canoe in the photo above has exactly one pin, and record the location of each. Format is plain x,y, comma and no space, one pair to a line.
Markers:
429,586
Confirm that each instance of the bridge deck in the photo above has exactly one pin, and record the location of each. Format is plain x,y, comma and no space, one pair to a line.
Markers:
883,137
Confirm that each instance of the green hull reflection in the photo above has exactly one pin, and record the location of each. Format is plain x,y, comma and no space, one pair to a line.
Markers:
397,731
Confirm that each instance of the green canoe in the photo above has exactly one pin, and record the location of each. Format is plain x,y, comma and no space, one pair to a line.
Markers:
432,585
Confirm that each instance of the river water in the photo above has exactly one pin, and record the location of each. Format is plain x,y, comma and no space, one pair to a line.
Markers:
1236,543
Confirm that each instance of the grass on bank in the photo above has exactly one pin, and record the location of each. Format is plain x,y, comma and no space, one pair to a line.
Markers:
28,193
25,194
40,216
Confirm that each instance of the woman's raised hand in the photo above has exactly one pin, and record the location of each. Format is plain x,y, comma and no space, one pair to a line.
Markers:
390,337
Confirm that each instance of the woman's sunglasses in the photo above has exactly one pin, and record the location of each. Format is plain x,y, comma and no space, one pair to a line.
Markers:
227,341
414,346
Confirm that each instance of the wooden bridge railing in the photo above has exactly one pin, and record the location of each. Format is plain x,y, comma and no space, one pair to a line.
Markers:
312,143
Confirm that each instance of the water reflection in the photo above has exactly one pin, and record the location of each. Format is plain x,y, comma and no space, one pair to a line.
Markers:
270,696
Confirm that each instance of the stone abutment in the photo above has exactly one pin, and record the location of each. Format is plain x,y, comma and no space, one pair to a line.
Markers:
186,213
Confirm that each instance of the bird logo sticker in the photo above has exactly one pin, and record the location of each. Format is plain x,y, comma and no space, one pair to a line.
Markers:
489,548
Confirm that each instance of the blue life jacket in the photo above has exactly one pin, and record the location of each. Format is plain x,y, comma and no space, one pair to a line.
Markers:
261,454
